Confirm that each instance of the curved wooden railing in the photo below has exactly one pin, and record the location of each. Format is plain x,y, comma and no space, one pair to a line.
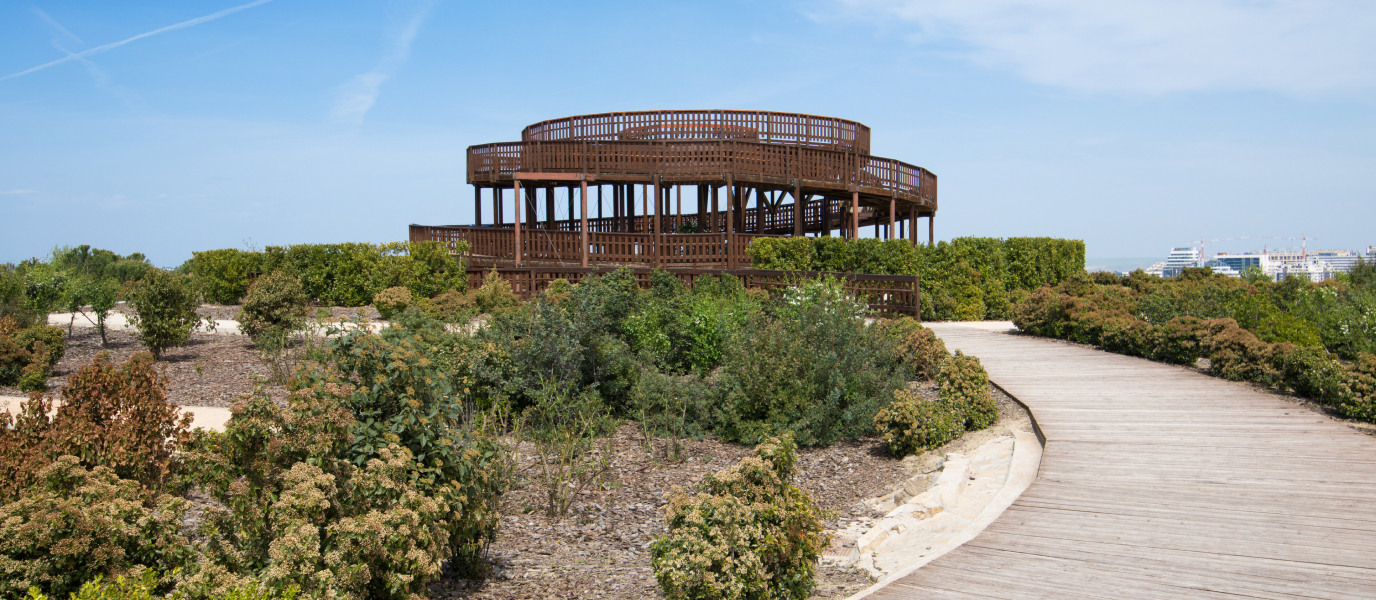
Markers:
814,168
764,126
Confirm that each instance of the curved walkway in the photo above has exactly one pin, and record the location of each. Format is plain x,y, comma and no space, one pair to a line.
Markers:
1158,482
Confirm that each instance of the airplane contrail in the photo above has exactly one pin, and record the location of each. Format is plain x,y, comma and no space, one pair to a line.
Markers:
113,45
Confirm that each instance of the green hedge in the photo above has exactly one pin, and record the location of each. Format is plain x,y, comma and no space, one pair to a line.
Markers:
965,279
348,274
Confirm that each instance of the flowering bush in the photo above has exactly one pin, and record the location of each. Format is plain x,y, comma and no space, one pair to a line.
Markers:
76,524
748,532
391,301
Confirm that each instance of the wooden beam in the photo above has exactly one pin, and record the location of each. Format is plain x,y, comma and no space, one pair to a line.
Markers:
554,177
584,216
517,203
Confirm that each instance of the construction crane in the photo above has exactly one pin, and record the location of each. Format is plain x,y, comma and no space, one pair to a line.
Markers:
1304,242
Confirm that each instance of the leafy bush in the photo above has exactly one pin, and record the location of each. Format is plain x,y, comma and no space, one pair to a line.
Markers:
920,349
347,274
417,399
912,424
164,312
748,532
1235,354
275,304
453,306
963,382
112,417
495,295
74,525
672,408
51,338
27,356
816,371
391,301
1360,401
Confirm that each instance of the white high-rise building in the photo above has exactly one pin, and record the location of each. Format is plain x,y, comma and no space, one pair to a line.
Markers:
1179,260
1340,261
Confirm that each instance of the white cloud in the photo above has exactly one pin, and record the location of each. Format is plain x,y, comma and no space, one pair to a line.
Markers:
1153,46
113,45
17,192
357,96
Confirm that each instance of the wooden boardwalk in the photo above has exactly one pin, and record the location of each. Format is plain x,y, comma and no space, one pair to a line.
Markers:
1158,482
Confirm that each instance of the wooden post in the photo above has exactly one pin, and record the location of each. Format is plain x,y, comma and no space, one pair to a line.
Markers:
678,197
517,229
931,229
799,208
477,206
855,215
583,196
656,222
893,215
912,225
730,221
496,205
549,207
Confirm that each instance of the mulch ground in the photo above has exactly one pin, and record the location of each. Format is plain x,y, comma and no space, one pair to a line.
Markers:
211,370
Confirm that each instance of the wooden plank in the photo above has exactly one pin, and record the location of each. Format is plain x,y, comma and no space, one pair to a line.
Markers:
1161,482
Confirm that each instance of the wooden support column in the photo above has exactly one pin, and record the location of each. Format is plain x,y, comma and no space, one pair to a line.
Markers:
855,215
912,225
893,217
517,250
496,205
799,209
549,207
477,206
583,215
599,202
712,209
931,229
730,221
656,223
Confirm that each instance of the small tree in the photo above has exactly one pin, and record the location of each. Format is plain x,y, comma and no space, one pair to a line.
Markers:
165,312
276,304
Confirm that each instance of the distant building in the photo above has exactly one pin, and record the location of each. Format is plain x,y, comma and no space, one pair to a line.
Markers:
1179,260
1221,268
1240,262
1156,268
1341,261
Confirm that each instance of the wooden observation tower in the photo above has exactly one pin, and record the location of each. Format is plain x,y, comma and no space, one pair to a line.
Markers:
680,189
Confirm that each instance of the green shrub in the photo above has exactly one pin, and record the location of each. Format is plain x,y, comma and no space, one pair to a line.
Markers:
1310,372
963,382
164,312
51,337
495,295
453,306
748,532
223,275
672,408
275,304
912,424
74,525
422,408
391,301
920,349
814,369
1360,401
1235,354
1177,342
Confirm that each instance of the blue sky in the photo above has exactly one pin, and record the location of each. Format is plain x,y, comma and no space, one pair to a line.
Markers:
1134,125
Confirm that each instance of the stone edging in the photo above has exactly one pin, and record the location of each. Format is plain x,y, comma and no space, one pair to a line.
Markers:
1023,470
